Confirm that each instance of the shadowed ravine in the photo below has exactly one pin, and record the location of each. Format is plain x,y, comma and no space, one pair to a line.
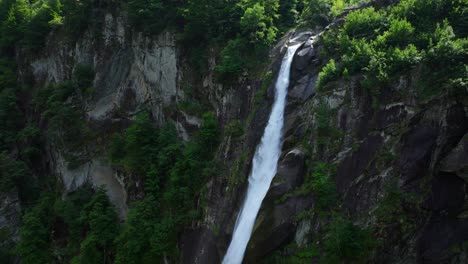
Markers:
264,167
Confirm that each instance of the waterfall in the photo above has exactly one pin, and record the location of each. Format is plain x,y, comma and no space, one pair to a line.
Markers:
265,163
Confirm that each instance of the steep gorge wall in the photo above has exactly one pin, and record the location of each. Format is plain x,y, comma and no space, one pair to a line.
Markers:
399,139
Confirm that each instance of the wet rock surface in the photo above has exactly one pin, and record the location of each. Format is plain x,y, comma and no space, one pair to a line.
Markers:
199,247
457,160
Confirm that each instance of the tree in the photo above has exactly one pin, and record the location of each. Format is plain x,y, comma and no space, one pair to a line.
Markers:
257,23
103,226
34,244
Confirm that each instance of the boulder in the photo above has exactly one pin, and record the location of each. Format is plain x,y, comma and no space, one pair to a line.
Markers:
416,153
447,195
304,89
438,237
275,227
291,172
457,160
355,164
303,57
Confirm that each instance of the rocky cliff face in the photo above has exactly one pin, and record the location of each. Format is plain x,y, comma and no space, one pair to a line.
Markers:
375,140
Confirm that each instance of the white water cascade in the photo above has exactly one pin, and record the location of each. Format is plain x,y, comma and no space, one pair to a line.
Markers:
265,163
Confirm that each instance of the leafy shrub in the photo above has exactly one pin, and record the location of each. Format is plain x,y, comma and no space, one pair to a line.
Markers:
77,16
347,242
399,34
357,55
445,49
151,16
34,244
83,77
9,114
257,25
145,236
403,59
12,172
232,58
100,216
323,186
60,106
44,17
234,129
328,73
137,147
316,12
363,23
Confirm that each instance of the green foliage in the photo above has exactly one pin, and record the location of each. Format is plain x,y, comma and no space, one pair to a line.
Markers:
257,25
323,186
232,61
146,236
174,175
151,16
363,23
136,148
133,243
239,57
45,15
382,43
83,77
69,211
10,116
61,106
197,157
14,15
7,245
322,12
7,73
235,129
12,172
327,135
347,242
390,205
87,222
288,12
316,12
103,228
400,33
35,237
76,16
328,73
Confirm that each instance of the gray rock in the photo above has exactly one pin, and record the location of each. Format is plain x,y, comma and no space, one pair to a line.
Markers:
457,160
291,172
438,237
275,225
105,177
199,247
304,90
275,228
303,57
10,216
447,195
416,153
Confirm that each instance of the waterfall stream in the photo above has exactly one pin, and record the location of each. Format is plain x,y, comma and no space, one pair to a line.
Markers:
265,163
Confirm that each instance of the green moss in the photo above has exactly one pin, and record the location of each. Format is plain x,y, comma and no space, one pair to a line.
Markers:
320,183
236,176
260,95
327,135
235,129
